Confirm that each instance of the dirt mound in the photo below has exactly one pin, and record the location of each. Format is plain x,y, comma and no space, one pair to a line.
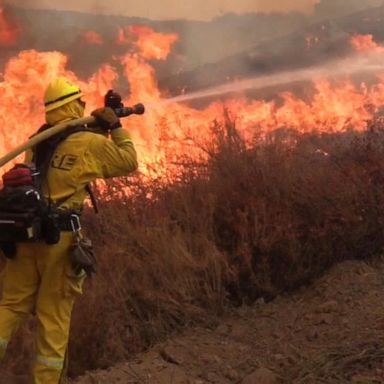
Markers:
330,332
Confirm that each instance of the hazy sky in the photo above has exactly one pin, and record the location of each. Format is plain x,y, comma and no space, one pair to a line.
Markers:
168,9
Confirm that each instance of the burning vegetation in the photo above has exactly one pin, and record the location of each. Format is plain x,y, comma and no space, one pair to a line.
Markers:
235,199
172,129
366,43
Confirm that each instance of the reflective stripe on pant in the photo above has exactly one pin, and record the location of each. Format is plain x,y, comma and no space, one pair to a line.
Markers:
47,369
41,277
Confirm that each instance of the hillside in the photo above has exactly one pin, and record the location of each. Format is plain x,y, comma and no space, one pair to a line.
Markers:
207,53
322,40
199,42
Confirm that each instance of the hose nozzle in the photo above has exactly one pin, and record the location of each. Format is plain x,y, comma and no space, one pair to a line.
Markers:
137,109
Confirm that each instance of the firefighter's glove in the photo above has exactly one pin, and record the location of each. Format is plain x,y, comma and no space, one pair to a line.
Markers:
113,100
106,118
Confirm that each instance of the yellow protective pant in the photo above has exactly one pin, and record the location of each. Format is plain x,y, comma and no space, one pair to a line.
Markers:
41,279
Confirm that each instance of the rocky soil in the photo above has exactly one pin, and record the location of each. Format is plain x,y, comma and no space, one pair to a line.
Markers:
330,332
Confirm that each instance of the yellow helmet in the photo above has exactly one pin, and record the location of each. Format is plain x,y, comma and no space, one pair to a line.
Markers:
60,92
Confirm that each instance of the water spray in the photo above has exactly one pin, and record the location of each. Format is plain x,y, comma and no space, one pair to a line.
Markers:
351,66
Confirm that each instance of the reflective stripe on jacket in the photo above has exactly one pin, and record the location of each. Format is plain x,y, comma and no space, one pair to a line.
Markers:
84,157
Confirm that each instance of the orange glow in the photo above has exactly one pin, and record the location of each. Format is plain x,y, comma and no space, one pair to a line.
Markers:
169,130
24,81
92,37
365,43
150,44
9,29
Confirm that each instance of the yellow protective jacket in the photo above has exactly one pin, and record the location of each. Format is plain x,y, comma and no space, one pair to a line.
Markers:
41,277
84,157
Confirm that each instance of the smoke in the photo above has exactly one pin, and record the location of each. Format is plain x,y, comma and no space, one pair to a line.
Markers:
350,66
171,9
90,6
200,42
334,8
199,9
229,47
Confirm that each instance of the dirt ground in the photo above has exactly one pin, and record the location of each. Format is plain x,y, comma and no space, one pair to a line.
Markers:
330,332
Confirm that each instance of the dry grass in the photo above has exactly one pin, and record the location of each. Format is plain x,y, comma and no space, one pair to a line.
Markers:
251,222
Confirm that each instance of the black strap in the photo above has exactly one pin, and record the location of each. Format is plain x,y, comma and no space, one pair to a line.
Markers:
92,196
62,98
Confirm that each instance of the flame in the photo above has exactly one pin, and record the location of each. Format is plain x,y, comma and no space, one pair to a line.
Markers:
9,29
92,37
365,43
24,82
150,44
169,130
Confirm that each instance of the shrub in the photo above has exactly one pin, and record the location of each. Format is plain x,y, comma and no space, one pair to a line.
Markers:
250,221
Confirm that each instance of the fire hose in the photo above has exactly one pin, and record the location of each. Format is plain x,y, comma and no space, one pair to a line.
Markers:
137,109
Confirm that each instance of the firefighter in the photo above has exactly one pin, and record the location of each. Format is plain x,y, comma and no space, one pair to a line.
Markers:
41,278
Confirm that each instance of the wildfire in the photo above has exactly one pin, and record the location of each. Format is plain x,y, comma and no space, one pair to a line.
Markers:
365,43
168,130
150,44
9,29
92,37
